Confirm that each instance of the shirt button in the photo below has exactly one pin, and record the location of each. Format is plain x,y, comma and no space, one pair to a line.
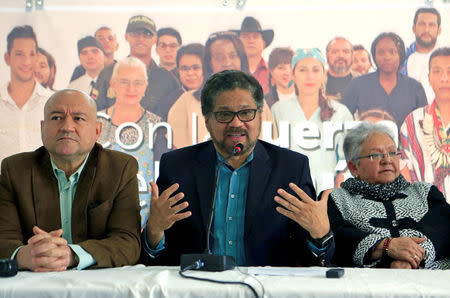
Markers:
394,223
232,196
235,173
230,242
230,218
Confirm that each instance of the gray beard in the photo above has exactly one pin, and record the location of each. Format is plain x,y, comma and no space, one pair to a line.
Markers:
222,147
228,151
340,69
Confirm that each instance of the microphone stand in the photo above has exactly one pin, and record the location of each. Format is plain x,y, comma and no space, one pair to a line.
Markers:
208,261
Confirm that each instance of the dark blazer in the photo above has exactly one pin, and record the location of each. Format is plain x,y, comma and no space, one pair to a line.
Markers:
105,210
270,238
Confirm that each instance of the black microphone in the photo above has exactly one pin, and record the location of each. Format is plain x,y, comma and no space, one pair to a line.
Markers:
8,267
237,149
211,262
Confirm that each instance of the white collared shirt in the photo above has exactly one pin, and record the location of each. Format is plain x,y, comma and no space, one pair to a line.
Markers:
83,83
20,128
418,69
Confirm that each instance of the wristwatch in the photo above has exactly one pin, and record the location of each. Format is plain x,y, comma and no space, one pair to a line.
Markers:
324,241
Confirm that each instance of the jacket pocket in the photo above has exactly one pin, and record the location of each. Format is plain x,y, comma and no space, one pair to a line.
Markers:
98,218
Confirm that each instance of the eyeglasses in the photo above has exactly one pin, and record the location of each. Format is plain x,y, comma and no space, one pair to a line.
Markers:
172,45
228,116
127,83
380,156
194,67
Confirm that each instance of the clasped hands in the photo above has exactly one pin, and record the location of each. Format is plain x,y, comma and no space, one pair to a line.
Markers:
45,252
406,252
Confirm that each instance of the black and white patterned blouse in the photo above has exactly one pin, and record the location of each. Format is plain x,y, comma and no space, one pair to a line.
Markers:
359,223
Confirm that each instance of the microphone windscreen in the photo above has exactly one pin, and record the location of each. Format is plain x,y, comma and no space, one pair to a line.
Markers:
238,148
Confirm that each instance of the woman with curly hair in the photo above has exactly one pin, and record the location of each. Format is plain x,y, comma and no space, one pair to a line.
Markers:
386,89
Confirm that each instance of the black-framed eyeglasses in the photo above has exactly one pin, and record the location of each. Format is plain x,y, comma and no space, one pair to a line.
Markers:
380,156
228,116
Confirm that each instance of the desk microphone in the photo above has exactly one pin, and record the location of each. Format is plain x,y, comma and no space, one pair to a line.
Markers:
209,261
8,267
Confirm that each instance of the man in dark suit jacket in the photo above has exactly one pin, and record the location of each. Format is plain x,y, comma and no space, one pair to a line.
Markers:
248,225
69,203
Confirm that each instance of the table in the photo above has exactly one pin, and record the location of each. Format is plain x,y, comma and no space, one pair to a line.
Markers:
141,281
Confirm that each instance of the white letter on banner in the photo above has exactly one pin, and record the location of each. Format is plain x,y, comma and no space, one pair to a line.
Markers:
142,183
105,116
138,141
329,131
153,128
307,135
350,124
156,171
283,133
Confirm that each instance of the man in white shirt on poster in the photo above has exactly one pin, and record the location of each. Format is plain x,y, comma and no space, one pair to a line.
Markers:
426,28
22,99
92,58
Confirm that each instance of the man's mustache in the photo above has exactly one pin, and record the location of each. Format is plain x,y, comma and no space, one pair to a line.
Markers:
236,131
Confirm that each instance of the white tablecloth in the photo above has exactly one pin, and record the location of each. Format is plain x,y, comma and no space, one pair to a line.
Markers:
141,281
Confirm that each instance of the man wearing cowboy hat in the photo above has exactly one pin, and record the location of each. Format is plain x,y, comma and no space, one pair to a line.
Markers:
255,40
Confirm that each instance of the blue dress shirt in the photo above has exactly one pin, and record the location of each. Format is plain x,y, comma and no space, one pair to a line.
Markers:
229,212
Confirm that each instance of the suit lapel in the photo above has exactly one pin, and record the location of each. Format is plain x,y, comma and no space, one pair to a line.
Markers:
259,174
81,199
45,194
204,175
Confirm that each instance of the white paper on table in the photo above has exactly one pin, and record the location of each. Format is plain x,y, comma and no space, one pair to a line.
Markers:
284,271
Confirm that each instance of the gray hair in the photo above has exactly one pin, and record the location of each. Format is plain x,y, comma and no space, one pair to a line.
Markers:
356,136
336,39
129,62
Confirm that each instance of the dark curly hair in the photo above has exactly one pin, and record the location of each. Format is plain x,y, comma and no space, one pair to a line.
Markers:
398,41
445,51
238,46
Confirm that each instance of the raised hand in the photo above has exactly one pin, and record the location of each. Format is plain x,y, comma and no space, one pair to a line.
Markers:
311,215
46,251
164,212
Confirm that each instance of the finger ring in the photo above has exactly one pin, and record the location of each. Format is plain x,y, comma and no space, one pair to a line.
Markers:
415,257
